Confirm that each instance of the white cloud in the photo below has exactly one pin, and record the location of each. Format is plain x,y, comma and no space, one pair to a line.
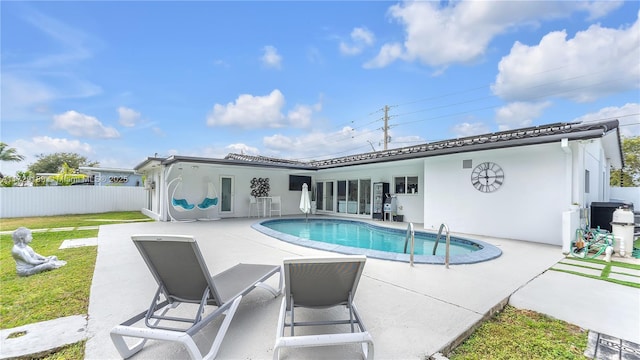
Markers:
628,115
597,9
128,117
519,114
41,145
388,54
460,32
469,129
360,38
270,58
250,112
82,125
242,149
596,62
308,146
300,116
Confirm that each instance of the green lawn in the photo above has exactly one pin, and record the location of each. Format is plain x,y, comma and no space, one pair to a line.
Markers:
604,276
523,334
56,293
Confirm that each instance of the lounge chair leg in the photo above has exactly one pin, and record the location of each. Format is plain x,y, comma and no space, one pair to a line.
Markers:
367,350
124,350
223,329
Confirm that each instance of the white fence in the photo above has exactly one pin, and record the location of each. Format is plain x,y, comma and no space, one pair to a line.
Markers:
61,200
631,194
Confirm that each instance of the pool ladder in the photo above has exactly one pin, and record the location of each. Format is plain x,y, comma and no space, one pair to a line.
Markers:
411,235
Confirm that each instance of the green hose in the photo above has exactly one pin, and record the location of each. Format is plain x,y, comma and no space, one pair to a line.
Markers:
593,240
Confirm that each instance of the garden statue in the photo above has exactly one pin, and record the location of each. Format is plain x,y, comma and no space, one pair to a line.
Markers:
28,262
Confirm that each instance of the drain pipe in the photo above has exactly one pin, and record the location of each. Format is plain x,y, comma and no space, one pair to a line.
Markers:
568,226
564,144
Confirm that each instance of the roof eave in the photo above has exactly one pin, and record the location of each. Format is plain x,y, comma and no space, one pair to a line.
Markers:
583,135
211,161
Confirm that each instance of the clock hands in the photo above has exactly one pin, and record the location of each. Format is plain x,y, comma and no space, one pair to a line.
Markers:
487,177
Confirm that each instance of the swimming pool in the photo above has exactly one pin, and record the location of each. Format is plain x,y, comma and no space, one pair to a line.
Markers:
358,237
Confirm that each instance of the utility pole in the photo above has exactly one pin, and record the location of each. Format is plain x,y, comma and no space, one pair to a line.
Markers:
386,125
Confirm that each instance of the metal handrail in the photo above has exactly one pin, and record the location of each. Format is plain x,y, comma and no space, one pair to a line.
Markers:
410,233
435,245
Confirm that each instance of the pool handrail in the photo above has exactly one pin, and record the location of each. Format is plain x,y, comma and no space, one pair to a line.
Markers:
435,245
410,233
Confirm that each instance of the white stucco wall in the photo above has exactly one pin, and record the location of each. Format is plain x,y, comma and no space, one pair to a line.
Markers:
630,194
528,206
195,187
409,205
594,162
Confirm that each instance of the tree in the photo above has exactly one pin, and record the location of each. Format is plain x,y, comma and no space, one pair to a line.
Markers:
67,176
53,163
9,154
23,178
629,175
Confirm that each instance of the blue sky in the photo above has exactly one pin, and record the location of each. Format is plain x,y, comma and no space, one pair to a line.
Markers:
120,81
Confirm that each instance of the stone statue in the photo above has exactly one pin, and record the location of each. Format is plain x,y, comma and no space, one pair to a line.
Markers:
28,262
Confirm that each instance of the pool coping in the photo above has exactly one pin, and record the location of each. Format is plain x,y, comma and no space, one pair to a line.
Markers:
485,253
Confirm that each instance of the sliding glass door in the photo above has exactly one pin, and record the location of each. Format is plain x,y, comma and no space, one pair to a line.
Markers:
350,197
364,200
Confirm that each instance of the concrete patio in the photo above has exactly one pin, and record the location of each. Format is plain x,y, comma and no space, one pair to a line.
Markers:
412,312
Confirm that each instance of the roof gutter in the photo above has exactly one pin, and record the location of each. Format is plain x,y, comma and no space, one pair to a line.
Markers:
582,135
192,159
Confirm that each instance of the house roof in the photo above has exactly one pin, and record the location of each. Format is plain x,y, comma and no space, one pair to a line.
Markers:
608,130
504,139
101,170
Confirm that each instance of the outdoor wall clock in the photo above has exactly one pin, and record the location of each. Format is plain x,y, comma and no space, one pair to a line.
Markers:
487,177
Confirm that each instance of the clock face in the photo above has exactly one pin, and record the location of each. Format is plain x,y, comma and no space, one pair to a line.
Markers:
487,177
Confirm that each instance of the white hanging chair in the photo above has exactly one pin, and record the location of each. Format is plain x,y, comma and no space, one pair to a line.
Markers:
177,202
211,199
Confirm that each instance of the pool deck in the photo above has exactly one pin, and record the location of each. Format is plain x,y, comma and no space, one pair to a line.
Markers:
411,312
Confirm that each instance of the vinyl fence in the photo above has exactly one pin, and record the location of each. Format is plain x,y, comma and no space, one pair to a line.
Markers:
631,194
61,200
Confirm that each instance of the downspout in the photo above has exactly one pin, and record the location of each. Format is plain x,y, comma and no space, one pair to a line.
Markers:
164,202
564,144
570,216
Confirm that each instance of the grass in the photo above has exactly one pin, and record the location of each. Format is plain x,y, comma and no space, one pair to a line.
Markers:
52,294
606,271
71,220
523,334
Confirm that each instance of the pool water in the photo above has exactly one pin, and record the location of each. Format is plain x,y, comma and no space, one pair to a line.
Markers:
358,237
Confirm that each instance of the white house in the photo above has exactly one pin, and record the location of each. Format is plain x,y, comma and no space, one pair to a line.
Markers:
525,184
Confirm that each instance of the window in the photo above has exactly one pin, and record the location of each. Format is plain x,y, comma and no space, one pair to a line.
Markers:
586,181
226,194
406,184
352,199
365,197
342,196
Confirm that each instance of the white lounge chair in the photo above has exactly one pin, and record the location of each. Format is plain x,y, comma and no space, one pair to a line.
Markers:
321,283
182,276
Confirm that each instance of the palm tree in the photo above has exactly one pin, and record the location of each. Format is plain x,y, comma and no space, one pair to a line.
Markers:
9,154
67,176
